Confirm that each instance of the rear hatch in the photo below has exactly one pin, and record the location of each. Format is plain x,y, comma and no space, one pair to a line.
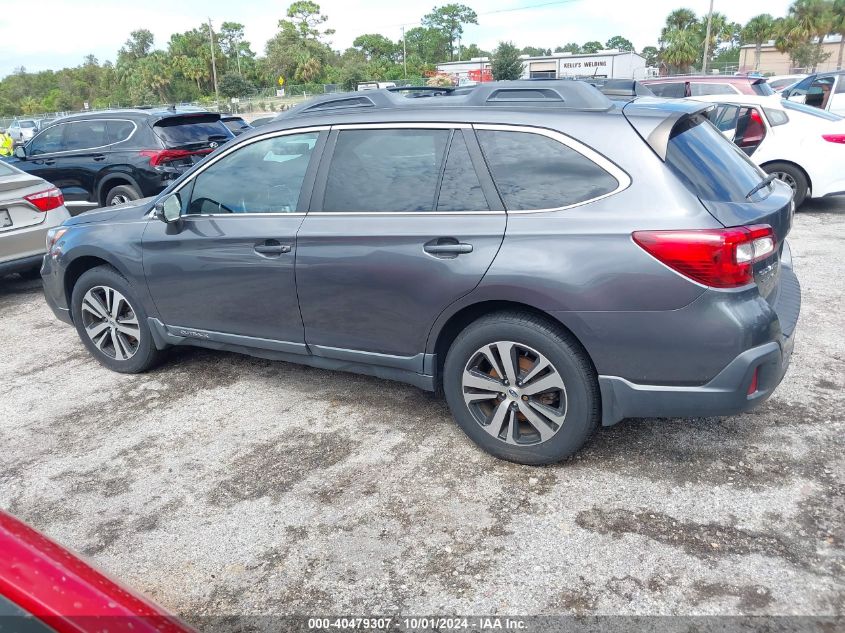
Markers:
189,137
733,189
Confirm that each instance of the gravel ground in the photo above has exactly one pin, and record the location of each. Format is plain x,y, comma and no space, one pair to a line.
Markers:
220,484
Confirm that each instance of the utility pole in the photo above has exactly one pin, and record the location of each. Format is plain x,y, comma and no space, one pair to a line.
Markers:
707,40
404,53
213,64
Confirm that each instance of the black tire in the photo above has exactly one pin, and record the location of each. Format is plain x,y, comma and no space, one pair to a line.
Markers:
145,355
581,392
794,173
121,194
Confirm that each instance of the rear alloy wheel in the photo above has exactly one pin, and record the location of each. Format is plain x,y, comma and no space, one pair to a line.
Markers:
792,176
521,388
111,322
121,195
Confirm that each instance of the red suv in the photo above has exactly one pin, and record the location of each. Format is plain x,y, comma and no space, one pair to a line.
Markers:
698,85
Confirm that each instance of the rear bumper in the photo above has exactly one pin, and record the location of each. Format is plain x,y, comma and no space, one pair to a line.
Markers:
23,263
727,393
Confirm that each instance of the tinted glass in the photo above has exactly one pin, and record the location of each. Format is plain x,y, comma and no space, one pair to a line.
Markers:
119,131
460,189
532,171
776,117
840,85
199,130
697,89
670,90
85,134
50,140
385,170
762,88
709,165
777,84
724,117
262,177
27,124
800,107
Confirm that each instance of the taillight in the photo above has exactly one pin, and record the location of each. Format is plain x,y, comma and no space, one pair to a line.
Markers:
721,258
46,200
834,138
160,156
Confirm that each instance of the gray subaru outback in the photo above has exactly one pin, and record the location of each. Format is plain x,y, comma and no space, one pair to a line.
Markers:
547,259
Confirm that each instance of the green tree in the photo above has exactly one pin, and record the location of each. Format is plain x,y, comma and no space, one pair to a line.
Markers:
533,51
650,53
682,48
678,20
839,28
593,46
376,47
619,43
428,45
306,18
139,45
234,85
473,51
506,63
450,20
758,31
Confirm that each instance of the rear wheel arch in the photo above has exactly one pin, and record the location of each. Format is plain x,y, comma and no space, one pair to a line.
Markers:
112,180
768,164
457,322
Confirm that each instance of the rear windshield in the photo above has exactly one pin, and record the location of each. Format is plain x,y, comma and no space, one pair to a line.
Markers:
762,88
27,123
801,107
235,124
708,164
191,130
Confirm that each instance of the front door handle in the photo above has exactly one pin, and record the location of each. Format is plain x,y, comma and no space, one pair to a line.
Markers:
447,247
272,247
49,161
99,157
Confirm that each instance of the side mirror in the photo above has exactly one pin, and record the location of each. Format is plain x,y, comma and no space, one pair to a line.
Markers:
20,152
169,208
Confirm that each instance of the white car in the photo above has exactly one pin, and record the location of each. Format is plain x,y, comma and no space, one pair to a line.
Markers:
779,82
802,145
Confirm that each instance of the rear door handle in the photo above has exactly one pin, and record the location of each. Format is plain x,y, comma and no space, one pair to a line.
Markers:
99,157
272,247
447,247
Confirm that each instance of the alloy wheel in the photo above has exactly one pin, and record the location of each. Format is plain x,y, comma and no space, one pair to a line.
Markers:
119,198
787,178
111,322
514,393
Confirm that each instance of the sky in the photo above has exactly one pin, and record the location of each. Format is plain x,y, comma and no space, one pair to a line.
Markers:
53,34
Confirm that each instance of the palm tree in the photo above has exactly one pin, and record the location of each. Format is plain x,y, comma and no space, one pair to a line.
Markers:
839,28
813,18
680,19
758,31
682,46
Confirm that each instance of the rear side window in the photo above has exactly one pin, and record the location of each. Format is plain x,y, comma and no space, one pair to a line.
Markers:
762,88
806,109
697,89
708,164
119,131
534,172
840,85
776,117
197,130
669,90
385,170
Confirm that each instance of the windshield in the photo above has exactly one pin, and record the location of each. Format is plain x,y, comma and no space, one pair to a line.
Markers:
27,123
762,88
708,164
800,107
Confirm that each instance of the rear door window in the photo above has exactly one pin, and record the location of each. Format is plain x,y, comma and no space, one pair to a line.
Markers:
85,135
534,172
118,131
674,90
384,170
460,188
192,131
708,164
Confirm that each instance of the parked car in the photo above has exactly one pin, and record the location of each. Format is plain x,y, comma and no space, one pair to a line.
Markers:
236,124
825,91
780,82
697,85
29,207
801,145
44,588
112,157
22,130
545,257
